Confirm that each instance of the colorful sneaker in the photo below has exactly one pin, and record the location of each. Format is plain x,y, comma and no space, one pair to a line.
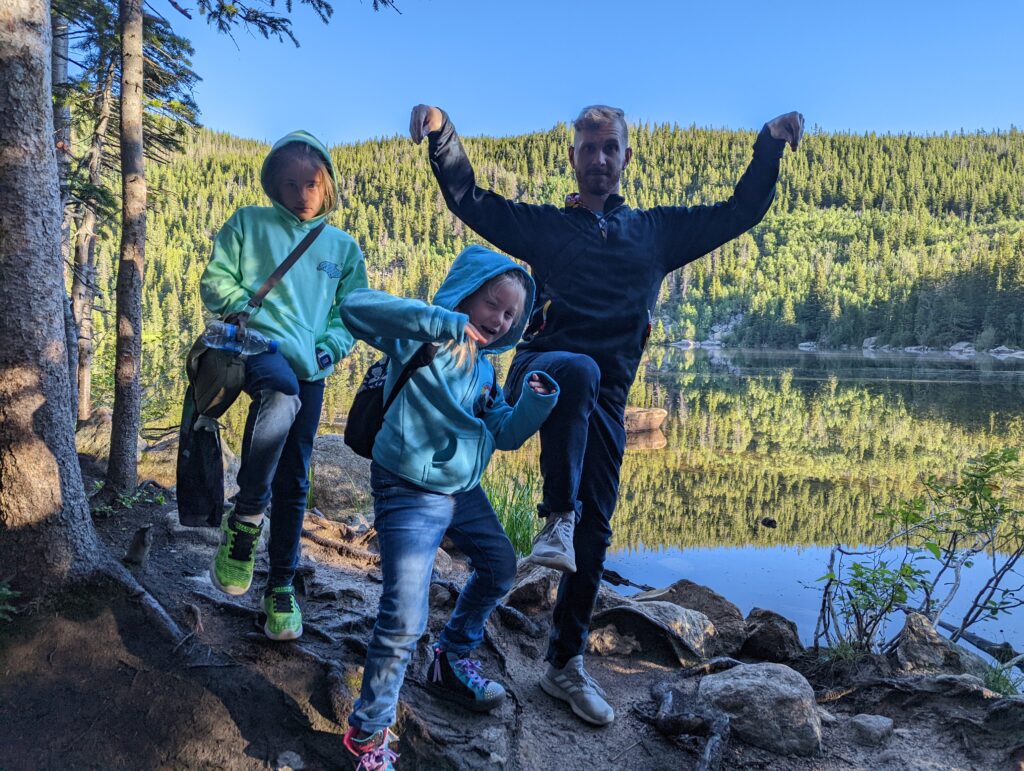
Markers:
460,681
552,546
231,571
572,684
284,619
372,750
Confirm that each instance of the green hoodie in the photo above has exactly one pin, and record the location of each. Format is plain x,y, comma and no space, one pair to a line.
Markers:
301,312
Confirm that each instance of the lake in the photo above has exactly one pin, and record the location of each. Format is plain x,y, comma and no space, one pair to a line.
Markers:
817,442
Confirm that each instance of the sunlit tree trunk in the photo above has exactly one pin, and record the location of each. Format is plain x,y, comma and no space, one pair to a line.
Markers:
83,285
123,462
46,534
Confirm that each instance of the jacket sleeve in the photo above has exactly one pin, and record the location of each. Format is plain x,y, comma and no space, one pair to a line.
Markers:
687,233
516,228
337,340
511,426
221,288
386,322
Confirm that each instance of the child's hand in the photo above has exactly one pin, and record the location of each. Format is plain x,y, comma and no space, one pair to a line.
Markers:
424,120
475,334
540,385
788,127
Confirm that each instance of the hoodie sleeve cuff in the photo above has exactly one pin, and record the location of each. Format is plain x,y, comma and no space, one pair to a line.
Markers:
768,147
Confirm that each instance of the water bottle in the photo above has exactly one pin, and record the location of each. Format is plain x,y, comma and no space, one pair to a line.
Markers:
220,334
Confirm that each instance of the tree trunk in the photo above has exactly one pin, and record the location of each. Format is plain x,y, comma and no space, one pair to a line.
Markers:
123,462
46,534
83,285
62,143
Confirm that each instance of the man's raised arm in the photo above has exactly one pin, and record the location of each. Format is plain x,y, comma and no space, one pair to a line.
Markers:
689,233
513,227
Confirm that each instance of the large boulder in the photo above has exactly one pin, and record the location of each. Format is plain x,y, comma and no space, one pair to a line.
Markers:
730,628
534,589
769,705
640,419
663,630
921,649
341,479
771,637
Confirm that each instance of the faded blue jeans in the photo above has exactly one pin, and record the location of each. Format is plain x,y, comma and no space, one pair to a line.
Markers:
410,522
276,448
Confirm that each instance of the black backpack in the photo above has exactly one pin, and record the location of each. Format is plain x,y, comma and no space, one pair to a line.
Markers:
366,415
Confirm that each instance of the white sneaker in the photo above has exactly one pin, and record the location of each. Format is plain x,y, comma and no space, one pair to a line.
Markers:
552,546
572,684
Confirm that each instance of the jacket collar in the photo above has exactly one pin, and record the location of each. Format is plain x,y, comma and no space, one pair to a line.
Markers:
572,201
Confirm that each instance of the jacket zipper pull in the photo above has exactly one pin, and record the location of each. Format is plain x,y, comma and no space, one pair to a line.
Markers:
602,223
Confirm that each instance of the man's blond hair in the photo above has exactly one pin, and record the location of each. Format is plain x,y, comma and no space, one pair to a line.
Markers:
600,115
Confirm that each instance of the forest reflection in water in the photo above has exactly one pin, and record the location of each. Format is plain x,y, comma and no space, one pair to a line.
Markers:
817,442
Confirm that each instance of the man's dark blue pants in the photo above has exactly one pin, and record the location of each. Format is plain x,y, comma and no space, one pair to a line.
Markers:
581,448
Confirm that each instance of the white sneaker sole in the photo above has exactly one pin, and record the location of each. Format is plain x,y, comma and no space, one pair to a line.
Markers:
555,690
555,561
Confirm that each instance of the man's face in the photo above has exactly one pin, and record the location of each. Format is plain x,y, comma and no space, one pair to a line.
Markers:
598,157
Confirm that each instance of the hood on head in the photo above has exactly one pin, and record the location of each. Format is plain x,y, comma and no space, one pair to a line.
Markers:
474,267
306,138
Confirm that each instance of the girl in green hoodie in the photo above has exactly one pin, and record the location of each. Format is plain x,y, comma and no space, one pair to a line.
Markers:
287,386
437,438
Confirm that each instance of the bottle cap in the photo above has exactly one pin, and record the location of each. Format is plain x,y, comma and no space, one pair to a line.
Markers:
272,346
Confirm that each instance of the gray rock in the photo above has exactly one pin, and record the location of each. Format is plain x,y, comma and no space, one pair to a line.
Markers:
826,717
922,649
730,628
1006,717
607,641
771,637
870,342
535,588
289,761
341,479
685,634
769,705
871,730
639,419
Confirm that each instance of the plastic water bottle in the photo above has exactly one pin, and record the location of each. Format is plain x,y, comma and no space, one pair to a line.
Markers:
220,334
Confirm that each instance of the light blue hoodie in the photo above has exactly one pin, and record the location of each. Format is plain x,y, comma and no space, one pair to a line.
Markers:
301,312
431,435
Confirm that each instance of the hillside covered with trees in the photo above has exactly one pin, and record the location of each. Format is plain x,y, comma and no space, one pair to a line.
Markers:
919,240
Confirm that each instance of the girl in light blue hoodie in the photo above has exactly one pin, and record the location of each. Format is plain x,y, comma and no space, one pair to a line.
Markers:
428,458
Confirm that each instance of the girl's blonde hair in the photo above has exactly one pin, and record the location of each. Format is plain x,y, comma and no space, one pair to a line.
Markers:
465,353
303,153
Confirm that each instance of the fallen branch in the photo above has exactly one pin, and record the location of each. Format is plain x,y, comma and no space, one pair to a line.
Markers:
717,664
348,552
1002,652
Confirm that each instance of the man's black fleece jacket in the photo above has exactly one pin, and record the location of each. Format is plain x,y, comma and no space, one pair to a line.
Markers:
601,274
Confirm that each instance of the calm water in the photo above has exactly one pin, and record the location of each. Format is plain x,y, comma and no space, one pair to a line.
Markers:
817,442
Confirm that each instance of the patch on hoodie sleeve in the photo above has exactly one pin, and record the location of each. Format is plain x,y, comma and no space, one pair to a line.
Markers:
330,268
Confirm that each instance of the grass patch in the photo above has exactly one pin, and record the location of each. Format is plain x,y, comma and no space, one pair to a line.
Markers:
514,495
1003,681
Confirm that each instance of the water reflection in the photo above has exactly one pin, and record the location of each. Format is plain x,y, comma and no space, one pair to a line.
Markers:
817,442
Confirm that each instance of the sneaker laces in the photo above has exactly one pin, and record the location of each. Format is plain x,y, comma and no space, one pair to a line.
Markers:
470,669
283,601
562,528
589,681
242,543
379,758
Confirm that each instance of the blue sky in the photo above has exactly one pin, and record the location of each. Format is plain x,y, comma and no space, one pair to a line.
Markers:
513,66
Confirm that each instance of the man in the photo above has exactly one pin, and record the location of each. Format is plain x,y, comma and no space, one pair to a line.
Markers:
598,265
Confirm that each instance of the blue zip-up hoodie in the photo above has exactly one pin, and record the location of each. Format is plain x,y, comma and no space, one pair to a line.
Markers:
432,435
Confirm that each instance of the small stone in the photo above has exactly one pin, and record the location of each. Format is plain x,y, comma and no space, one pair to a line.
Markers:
871,729
289,761
826,717
439,595
607,641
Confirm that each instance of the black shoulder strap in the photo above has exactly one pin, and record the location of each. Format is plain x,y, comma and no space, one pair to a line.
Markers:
421,358
257,299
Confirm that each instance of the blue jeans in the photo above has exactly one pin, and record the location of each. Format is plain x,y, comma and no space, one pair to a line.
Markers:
410,522
276,447
581,448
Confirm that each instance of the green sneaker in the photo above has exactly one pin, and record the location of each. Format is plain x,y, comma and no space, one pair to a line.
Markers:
284,619
231,571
